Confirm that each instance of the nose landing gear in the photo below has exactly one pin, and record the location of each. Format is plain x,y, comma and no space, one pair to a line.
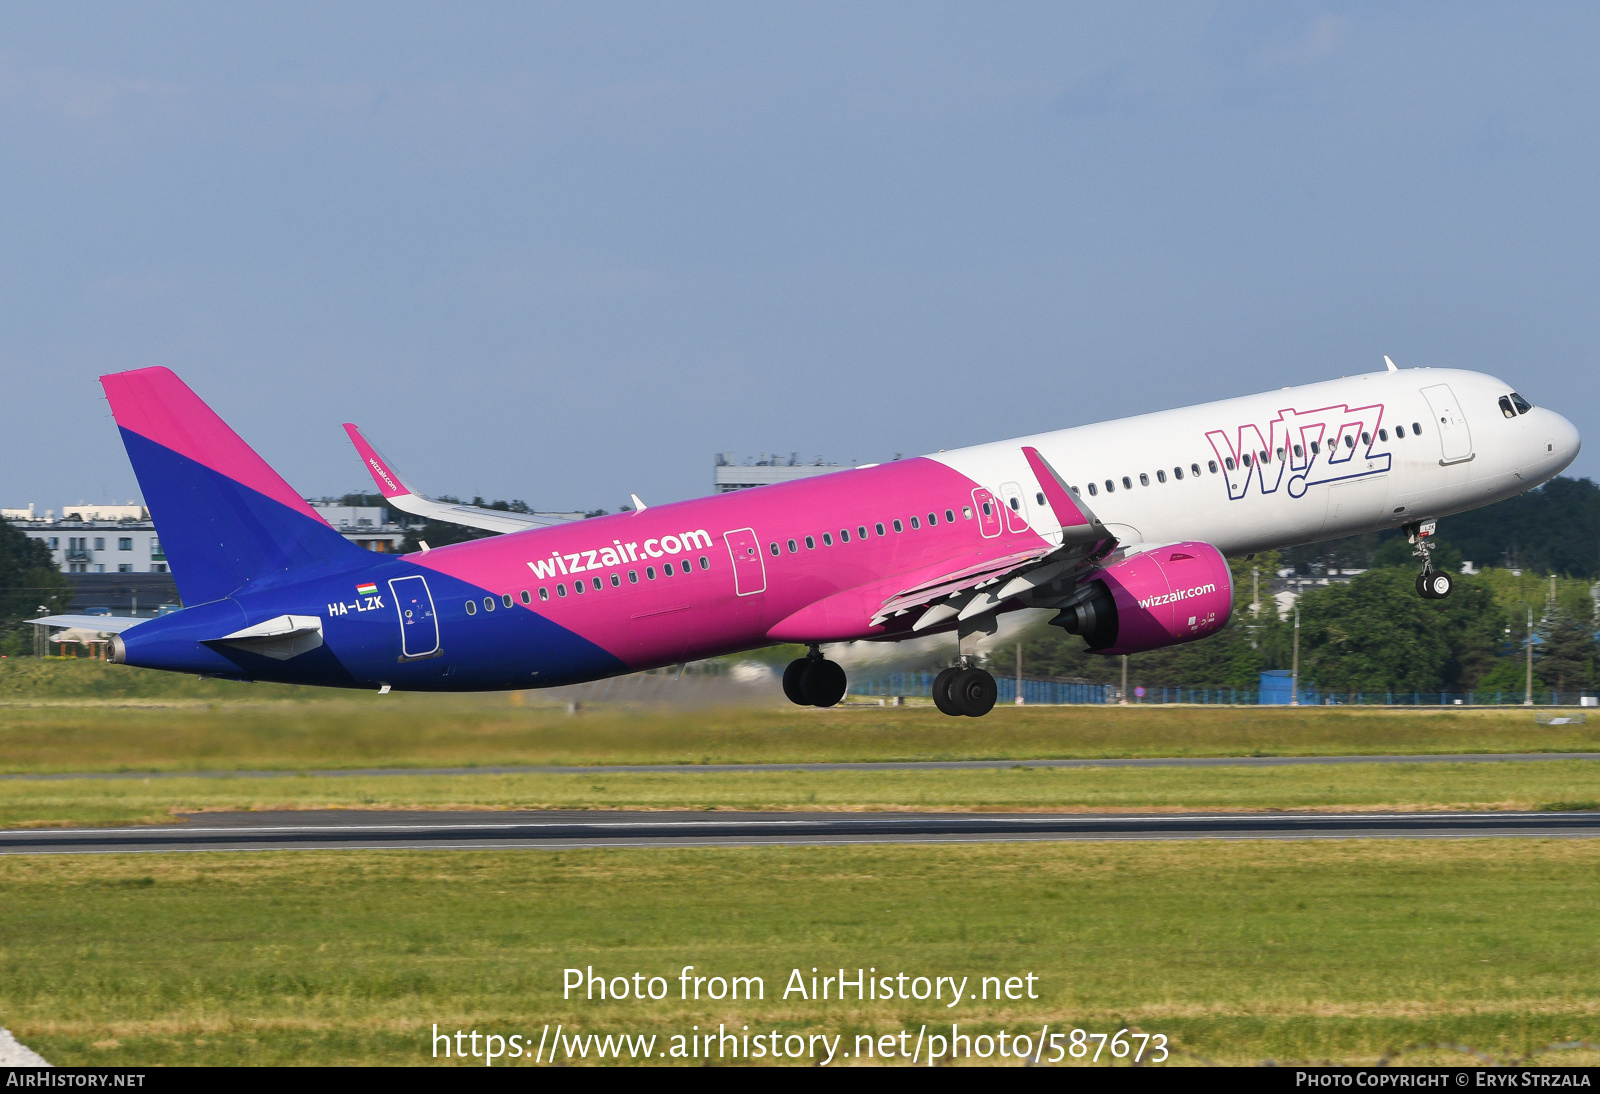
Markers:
1431,584
814,681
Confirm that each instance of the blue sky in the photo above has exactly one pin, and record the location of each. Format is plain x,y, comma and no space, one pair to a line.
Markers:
566,252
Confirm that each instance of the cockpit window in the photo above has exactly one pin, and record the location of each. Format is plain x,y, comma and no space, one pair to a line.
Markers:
1522,405
1506,407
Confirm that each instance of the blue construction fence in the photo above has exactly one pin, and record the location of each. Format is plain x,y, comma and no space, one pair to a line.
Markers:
1058,693
1041,692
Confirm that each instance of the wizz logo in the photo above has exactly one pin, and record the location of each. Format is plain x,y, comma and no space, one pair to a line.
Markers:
1301,449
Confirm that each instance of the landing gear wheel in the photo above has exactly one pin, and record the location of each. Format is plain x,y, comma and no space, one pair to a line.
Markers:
941,692
823,682
1438,584
974,692
1422,587
792,688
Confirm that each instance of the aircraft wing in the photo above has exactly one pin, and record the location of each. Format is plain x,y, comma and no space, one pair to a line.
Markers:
981,587
396,493
970,586
106,624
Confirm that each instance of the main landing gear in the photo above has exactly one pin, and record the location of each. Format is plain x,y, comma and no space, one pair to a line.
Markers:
959,690
1431,584
814,681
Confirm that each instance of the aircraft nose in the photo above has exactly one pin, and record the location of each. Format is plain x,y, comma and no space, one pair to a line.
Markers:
1564,439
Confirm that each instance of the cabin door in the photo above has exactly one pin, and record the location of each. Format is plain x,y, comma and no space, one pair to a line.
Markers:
419,625
749,568
1455,439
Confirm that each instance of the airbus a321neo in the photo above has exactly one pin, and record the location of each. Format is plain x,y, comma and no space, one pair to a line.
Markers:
1120,527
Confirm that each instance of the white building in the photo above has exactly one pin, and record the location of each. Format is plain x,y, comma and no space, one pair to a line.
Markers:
120,539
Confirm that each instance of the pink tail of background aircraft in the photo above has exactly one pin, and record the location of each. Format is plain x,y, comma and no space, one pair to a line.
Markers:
1120,527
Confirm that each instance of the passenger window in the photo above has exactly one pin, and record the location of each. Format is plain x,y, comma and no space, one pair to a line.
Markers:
1177,473
861,532
577,586
1039,497
915,524
488,603
898,527
1279,451
844,535
1366,438
506,599
793,546
1522,405
1244,458
1315,447
650,573
879,527
1400,431
1506,408
561,589
1227,460
966,512
774,550
1209,463
1349,441
616,581
1111,487
933,518
987,510
1299,453
949,516
811,544
1416,429
1075,490
597,584
666,570
1093,493
1161,476
1127,483
544,592
705,563
827,540
1383,434
1144,480
633,575
526,599
472,607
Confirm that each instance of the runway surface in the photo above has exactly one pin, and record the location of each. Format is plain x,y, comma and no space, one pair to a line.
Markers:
888,765
327,829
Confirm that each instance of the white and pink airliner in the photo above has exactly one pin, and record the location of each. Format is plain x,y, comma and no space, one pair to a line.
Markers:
1120,528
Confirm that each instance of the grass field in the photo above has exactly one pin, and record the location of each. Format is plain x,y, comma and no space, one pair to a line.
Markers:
1238,952
427,731
1546,784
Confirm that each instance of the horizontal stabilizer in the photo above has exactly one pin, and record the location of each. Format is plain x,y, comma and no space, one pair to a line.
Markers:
397,494
108,624
279,638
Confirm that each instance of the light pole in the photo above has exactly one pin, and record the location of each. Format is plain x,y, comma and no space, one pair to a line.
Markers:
1527,696
1294,684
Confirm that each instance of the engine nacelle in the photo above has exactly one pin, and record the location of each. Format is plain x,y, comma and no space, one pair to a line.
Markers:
1153,599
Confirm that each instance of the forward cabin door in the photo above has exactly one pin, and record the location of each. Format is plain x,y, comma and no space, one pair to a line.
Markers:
419,625
1455,439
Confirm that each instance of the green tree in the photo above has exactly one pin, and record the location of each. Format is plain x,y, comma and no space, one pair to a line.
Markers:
28,583
1565,657
1376,634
